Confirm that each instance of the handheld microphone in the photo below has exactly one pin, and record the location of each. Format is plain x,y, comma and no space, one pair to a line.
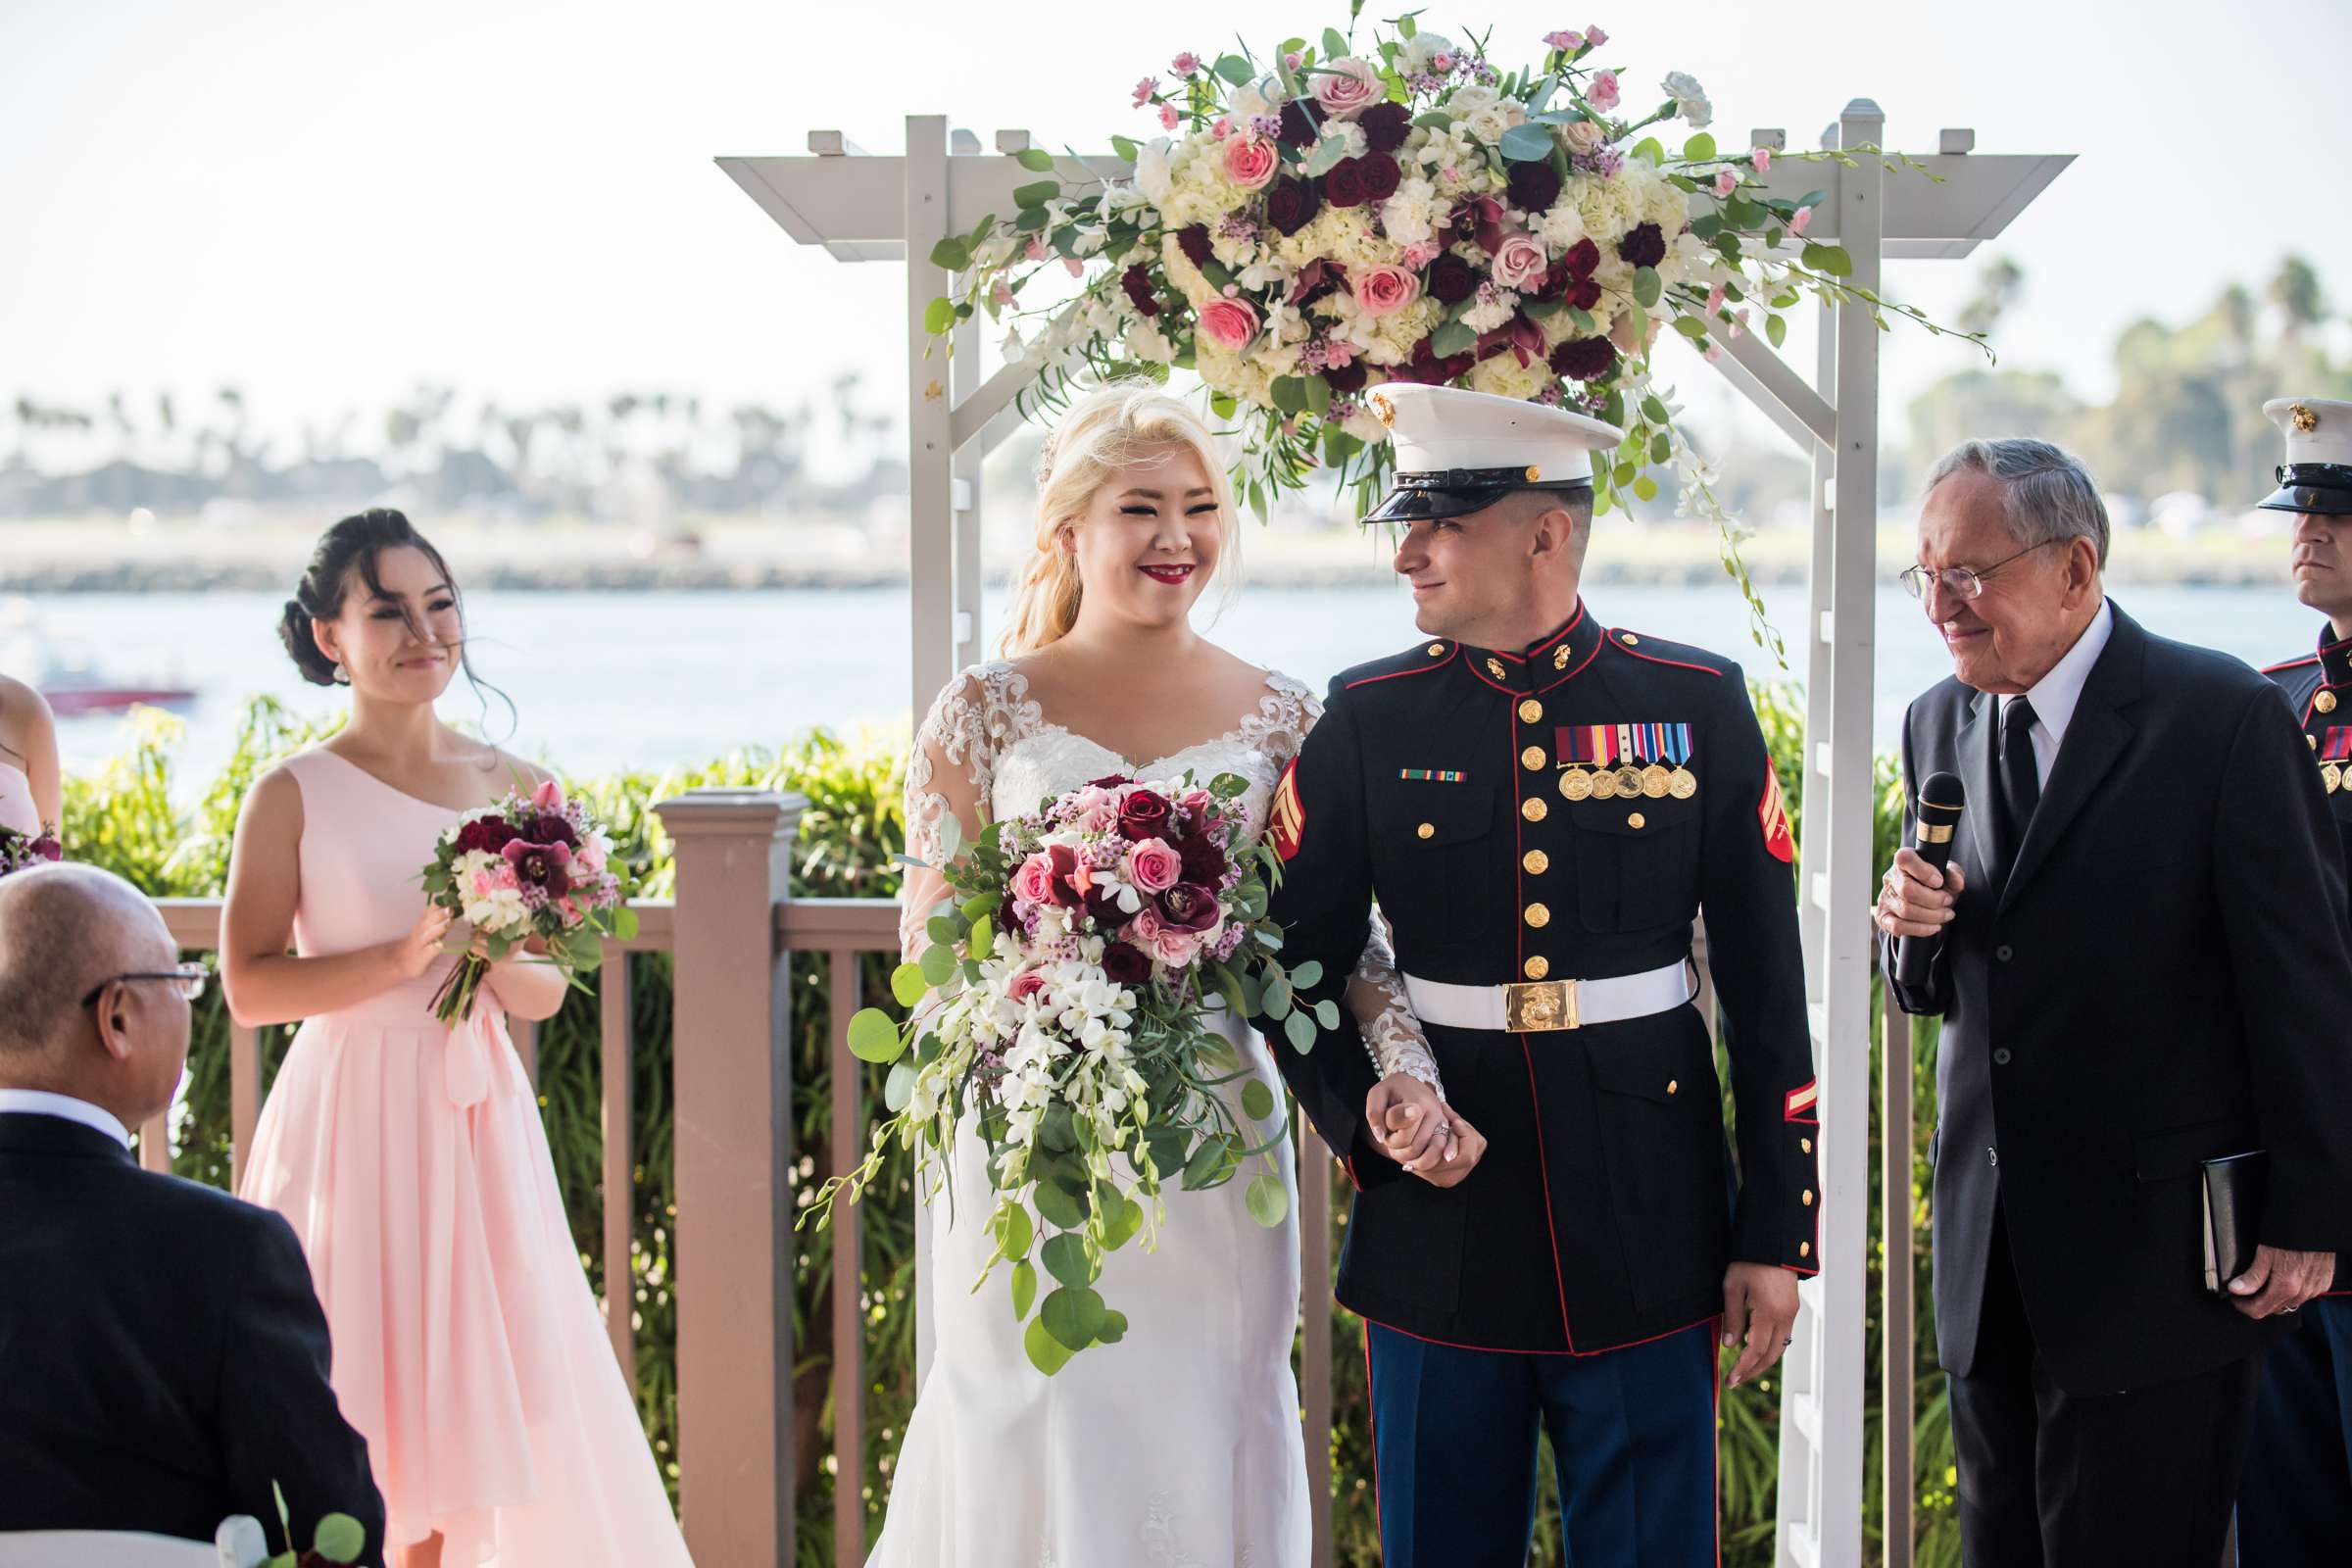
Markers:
1938,815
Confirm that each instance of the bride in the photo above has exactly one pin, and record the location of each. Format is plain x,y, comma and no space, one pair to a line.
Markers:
1180,1444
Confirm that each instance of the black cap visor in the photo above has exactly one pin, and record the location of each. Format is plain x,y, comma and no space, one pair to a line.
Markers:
1458,492
2321,489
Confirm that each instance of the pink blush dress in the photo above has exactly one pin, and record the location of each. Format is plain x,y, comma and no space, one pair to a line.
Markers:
410,1161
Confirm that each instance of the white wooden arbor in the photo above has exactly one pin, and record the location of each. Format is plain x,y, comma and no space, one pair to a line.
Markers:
863,209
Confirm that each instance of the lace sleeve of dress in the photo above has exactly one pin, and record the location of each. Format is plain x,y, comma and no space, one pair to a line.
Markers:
949,768
1376,990
1376,995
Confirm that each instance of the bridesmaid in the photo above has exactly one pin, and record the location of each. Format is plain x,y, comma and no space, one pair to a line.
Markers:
32,794
468,1348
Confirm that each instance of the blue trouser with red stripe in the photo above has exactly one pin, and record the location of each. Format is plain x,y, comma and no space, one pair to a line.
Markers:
1633,1437
2294,1500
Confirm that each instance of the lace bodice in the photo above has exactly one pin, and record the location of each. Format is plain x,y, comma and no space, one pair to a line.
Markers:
985,728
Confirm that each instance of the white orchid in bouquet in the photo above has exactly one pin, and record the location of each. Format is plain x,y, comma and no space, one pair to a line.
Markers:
1328,217
1060,1014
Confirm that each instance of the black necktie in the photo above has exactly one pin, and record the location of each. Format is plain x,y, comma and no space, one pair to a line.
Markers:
2021,781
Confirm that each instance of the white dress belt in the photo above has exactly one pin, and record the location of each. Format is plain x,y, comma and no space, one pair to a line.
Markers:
1546,1005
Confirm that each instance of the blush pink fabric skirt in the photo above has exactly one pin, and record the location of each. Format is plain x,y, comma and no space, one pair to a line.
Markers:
468,1348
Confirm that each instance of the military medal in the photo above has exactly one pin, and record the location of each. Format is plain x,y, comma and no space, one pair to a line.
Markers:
1629,777
2333,754
1577,746
1649,741
1674,746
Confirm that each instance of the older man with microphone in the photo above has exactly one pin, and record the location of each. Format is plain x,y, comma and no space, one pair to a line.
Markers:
2141,951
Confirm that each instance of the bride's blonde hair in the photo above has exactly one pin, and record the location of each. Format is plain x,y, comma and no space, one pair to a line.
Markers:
1101,432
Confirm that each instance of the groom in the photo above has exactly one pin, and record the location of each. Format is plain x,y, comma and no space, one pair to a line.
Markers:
1540,806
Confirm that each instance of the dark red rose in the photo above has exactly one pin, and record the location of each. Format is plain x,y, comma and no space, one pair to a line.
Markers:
1645,246
1350,378
1582,258
1102,907
1381,175
1187,906
1109,781
48,849
1126,964
1203,859
1386,125
1193,240
1138,284
1145,815
1301,122
1582,359
1429,370
1345,185
1451,279
548,828
1009,915
488,834
1584,293
1293,205
1065,865
1533,187
1553,285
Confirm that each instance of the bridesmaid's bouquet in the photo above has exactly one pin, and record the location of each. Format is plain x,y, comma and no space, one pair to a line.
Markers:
18,849
529,865
1063,1006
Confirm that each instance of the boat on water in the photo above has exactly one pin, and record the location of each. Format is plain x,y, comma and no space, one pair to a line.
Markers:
74,684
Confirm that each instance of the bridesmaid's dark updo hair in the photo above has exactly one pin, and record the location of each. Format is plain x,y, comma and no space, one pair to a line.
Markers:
349,552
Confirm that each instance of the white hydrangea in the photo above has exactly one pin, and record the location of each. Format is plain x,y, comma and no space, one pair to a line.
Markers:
1503,375
1488,314
1560,228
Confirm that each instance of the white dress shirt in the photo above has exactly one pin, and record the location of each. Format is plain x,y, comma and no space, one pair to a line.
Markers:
2055,696
41,1103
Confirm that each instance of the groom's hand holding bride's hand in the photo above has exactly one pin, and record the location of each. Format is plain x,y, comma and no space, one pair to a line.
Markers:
1421,1132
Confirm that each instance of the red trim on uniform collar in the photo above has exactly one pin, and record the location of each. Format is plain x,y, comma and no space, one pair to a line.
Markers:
1546,646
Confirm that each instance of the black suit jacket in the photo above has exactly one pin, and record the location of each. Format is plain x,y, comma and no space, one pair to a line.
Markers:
2165,977
1608,1204
163,1359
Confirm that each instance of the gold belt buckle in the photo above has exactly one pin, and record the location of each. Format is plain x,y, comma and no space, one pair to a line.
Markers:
1533,1006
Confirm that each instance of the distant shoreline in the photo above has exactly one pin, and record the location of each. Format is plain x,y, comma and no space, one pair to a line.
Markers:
58,557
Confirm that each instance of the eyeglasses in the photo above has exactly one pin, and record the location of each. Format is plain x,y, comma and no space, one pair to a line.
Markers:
188,980
1960,582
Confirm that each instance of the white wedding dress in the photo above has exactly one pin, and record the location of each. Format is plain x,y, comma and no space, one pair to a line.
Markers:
1179,1447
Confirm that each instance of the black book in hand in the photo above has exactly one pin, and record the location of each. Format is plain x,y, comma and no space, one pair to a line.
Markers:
2232,1207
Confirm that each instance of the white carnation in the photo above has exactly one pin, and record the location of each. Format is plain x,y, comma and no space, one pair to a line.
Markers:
1690,99
1410,217
1488,314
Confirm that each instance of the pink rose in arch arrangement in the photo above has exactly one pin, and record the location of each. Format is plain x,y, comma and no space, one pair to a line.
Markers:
1266,243
1065,1004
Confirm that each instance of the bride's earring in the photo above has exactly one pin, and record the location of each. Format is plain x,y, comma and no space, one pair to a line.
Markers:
342,675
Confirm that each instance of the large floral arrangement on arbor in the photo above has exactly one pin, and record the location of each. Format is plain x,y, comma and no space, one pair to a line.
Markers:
1326,219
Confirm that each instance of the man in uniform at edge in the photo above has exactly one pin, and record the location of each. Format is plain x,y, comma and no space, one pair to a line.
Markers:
2295,1504
1540,806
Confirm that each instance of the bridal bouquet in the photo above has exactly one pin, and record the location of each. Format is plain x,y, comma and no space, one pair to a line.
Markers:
1062,1008
1334,213
529,865
21,850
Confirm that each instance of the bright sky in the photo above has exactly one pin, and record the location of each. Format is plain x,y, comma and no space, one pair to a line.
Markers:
325,202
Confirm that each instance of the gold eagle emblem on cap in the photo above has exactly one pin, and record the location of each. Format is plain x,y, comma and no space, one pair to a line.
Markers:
2306,422
1383,410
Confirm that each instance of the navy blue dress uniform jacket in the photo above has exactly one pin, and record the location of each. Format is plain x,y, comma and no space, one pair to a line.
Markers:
2319,691
163,1357
1607,1206
2166,977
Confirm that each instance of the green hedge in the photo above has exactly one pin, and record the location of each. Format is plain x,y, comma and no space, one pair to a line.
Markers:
123,818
